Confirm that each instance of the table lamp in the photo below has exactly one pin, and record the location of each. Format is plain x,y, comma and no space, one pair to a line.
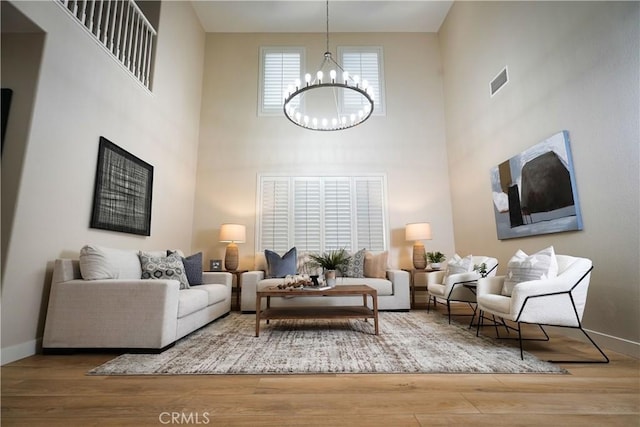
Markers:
232,234
417,232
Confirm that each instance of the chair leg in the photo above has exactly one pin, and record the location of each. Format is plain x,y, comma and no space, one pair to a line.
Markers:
428,302
604,360
520,341
449,311
480,320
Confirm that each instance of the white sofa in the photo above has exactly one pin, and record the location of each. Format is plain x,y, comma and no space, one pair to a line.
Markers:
128,312
393,291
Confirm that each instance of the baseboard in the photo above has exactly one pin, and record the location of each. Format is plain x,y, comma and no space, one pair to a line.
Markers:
19,351
607,342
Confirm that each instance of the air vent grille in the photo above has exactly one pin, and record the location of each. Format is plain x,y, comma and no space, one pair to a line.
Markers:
499,81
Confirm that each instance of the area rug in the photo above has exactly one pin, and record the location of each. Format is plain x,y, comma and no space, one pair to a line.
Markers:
409,342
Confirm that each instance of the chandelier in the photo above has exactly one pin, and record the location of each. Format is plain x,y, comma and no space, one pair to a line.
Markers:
321,95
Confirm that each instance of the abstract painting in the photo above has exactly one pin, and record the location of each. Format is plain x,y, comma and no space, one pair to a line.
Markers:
122,195
535,192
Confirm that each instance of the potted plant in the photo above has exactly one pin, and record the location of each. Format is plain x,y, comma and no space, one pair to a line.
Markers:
330,262
481,269
435,259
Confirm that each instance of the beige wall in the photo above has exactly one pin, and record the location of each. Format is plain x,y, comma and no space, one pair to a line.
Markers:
408,144
84,94
572,66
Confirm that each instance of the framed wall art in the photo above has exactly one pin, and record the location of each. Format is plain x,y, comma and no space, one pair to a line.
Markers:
535,191
123,189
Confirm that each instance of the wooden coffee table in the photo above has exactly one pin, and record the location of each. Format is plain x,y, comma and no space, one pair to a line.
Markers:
318,312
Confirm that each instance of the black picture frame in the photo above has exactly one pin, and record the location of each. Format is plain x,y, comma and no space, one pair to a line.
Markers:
215,265
122,192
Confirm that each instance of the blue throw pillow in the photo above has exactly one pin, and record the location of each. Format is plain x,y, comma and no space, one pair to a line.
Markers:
281,266
192,267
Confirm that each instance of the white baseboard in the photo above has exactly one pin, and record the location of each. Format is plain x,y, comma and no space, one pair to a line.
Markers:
19,351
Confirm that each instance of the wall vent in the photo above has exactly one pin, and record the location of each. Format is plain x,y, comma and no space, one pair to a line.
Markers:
499,81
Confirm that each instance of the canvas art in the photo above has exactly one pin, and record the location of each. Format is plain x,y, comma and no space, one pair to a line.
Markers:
535,191
122,194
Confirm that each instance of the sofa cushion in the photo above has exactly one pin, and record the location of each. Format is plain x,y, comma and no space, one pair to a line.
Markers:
192,267
523,267
98,262
191,300
383,286
375,265
355,266
278,266
163,267
217,293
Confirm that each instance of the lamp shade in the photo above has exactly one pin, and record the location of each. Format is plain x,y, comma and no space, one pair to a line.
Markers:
418,231
234,233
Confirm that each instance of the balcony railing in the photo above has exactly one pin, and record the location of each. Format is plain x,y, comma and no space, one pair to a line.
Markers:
121,27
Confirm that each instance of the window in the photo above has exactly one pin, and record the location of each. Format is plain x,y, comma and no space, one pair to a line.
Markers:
321,213
279,68
366,62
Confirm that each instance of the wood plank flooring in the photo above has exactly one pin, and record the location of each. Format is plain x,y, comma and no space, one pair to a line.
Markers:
54,391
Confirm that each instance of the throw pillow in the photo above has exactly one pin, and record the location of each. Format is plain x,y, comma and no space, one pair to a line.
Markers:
192,267
158,267
523,267
457,265
98,262
375,266
355,266
278,267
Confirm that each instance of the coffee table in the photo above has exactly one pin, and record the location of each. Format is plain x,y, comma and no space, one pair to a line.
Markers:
318,312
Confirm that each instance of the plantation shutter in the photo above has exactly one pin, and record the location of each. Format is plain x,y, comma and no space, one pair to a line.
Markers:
307,215
337,214
319,214
365,62
280,68
274,216
370,222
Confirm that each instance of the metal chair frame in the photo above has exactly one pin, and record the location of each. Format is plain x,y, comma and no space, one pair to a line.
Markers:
540,325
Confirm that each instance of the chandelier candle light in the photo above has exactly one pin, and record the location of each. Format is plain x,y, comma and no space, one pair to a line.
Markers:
232,234
325,120
417,232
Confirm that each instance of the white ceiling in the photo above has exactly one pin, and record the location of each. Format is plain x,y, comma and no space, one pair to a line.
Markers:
304,16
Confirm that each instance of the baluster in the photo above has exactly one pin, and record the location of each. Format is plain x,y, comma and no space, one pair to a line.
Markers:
75,8
143,54
148,71
99,23
91,15
84,13
136,58
126,38
65,3
114,17
119,43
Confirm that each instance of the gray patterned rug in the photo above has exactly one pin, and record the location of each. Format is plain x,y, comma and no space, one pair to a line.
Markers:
414,342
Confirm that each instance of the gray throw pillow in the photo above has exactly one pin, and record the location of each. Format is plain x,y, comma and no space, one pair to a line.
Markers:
355,267
277,266
192,267
158,267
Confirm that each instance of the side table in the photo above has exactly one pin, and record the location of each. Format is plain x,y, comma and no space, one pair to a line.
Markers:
237,274
412,283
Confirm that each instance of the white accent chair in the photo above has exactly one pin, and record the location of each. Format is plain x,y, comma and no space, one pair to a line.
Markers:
557,301
458,287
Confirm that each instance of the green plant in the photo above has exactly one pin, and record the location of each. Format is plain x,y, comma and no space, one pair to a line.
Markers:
482,269
331,260
435,257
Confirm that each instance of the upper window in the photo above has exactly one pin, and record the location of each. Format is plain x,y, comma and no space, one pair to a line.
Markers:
279,68
321,213
366,62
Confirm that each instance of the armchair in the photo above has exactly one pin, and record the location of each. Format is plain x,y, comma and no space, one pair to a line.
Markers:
458,286
557,301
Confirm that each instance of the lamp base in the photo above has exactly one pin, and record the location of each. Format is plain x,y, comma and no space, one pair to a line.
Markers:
419,260
231,257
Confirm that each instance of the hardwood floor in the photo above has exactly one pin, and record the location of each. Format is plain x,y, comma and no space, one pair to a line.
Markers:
54,391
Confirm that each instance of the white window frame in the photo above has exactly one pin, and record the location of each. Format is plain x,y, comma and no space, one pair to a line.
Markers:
282,240
379,108
264,51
